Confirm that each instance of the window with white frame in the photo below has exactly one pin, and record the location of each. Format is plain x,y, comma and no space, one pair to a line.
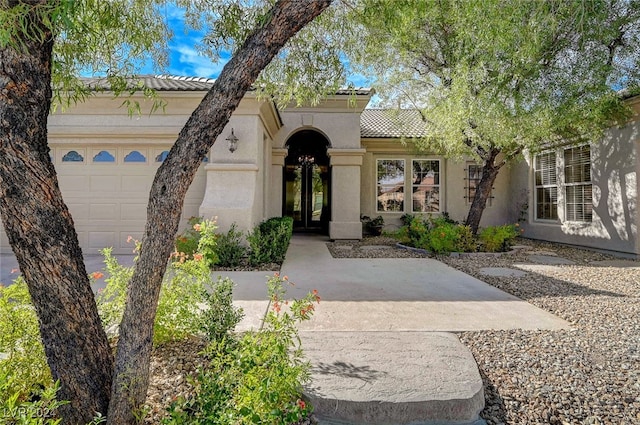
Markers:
425,185
473,177
546,186
577,184
390,185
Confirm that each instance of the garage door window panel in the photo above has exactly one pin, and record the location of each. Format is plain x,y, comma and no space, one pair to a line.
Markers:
135,156
104,156
73,156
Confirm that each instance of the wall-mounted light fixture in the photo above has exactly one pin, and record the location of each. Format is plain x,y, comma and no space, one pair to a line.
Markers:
233,142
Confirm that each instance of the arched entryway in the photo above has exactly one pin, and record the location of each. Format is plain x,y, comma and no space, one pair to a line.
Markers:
307,182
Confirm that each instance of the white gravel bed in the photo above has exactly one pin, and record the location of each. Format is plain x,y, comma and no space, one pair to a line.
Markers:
587,375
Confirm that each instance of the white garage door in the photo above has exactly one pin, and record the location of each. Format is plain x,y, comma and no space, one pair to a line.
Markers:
107,189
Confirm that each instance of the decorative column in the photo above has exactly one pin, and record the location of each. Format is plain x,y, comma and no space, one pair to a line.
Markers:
275,188
345,193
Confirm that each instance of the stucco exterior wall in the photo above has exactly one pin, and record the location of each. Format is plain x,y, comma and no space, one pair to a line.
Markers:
238,189
108,199
452,185
615,166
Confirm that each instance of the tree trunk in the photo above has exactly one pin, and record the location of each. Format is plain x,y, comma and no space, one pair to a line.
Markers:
167,194
42,235
490,171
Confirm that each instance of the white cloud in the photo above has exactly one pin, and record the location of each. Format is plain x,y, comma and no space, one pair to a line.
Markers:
185,60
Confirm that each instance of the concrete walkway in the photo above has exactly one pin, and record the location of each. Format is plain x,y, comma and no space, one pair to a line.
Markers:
380,342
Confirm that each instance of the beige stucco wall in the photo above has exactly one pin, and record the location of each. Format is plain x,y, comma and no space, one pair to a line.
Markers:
615,167
452,185
108,199
238,188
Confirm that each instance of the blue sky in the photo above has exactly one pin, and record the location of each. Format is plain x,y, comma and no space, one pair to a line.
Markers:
184,58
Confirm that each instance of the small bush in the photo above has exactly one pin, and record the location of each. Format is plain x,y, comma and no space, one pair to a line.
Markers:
269,241
256,378
498,238
187,242
207,243
179,313
417,232
443,237
221,317
229,248
23,364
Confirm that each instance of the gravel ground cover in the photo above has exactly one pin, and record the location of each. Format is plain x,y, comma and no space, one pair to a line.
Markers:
589,374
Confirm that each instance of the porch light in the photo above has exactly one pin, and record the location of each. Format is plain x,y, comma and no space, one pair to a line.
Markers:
233,142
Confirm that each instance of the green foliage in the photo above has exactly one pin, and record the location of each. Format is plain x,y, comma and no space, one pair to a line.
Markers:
179,314
207,245
14,410
220,317
255,378
23,365
498,238
442,237
269,241
417,231
230,249
187,242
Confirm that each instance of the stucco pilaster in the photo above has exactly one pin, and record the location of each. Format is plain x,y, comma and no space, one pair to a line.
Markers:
345,193
278,156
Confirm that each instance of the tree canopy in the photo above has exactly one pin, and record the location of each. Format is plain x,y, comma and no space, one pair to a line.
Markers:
492,78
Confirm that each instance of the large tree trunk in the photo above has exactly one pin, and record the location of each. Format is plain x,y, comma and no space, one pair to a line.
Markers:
490,169
170,185
41,233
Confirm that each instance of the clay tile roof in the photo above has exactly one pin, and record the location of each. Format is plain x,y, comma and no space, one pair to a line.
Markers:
178,83
159,82
388,124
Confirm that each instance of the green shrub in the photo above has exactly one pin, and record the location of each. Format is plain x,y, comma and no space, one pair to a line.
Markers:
23,365
440,235
443,237
230,249
256,378
41,410
207,244
417,232
269,241
179,313
467,242
221,317
498,238
187,242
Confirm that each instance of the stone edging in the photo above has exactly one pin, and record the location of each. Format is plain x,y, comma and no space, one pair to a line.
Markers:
514,250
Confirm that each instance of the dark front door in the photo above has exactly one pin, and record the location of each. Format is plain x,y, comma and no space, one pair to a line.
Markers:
306,181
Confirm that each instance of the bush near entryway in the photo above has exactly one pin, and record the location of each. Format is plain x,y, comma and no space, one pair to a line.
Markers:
269,241
443,235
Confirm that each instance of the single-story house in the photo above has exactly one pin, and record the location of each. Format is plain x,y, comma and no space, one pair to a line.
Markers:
326,166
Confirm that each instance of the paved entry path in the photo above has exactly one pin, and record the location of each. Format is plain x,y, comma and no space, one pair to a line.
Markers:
394,294
381,342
